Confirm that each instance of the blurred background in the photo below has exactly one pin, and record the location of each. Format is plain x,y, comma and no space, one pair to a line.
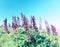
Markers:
46,9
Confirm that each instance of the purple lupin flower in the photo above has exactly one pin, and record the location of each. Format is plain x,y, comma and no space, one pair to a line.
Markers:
15,21
53,30
14,28
47,27
18,21
33,24
25,24
5,26
14,24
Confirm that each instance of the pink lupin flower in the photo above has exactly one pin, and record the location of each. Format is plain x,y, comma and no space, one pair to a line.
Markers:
25,24
53,30
47,27
33,24
5,26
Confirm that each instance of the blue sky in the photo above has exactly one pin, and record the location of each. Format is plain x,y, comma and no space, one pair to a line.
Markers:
46,9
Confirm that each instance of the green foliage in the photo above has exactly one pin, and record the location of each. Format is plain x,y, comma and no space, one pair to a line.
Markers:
39,39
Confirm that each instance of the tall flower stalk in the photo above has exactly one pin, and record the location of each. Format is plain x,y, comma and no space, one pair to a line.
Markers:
33,23
14,24
47,27
14,20
5,26
53,30
25,24
18,21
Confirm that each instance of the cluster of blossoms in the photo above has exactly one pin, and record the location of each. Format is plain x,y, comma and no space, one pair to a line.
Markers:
25,24
5,26
25,21
33,23
47,27
16,23
53,30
